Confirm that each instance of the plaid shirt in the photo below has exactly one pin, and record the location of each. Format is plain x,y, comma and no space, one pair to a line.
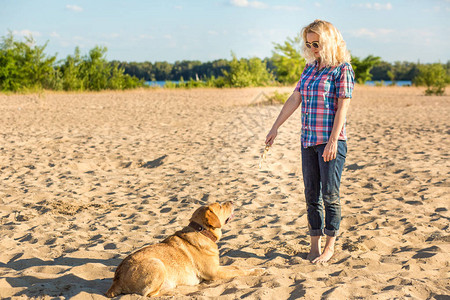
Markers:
320,91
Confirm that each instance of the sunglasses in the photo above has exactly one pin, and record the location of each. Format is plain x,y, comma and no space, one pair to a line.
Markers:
315,44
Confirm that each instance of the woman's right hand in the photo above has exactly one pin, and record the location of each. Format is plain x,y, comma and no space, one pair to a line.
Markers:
271,136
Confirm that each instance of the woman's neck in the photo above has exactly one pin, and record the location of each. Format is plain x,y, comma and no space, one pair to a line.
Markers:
319,64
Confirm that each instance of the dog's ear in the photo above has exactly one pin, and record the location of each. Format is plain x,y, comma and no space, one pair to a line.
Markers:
212,219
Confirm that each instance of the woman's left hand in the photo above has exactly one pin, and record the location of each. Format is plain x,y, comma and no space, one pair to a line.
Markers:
330,151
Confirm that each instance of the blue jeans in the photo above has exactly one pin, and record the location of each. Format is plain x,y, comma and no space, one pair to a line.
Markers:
322,181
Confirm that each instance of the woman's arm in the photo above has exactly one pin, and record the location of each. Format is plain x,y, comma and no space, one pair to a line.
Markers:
330,150
288,109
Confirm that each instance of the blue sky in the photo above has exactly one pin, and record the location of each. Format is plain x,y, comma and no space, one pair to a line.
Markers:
205,30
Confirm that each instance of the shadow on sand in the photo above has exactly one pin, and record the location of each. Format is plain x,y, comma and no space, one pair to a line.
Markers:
62,283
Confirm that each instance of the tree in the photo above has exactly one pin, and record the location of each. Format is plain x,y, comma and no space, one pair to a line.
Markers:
71,77
95,69
162,70
362,67
8,67
187,69
391,77
94,72
24,65
434,77
244,73
289,63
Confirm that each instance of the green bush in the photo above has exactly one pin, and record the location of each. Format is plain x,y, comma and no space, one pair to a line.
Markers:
186,84
392,78
434,77
218,82
23,65
71,77
245,73
278,98
170,84
362,67
289,63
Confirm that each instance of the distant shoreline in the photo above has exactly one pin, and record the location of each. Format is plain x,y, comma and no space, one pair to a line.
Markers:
161,83
388,83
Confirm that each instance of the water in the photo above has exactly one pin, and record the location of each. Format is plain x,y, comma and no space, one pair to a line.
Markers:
388,82
160,83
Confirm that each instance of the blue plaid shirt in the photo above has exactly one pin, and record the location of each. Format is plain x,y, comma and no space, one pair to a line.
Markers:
320,91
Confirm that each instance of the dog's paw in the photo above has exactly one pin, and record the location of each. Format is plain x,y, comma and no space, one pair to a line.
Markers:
257,271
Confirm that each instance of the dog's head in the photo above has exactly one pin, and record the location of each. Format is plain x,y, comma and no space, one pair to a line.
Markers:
214,215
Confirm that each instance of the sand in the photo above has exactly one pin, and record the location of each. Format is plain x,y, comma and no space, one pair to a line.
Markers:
87,178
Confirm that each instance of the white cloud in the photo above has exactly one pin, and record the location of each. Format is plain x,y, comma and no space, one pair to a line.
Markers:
74,8
257,4
262,5
65,44
373,34
241,3
378,6
212,32
146,37
253,33
363,32
438,9
260,36
26,32
75,41
246,3
287,8
375,6
113,35
54,34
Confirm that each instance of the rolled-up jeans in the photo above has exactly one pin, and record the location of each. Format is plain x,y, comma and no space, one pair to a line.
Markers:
322,181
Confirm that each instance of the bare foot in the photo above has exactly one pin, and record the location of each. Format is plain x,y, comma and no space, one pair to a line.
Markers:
314,252
328,251
312,255
326,255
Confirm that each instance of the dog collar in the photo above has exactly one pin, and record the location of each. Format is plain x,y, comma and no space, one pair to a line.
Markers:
202,230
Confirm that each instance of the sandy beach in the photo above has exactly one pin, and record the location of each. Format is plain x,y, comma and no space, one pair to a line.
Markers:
87,178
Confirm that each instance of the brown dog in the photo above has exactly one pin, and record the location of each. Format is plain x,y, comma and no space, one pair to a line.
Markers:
187,257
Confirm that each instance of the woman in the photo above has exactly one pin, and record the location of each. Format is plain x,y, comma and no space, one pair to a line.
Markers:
324,92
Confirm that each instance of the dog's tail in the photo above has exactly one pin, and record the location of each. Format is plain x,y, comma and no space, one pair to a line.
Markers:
114,290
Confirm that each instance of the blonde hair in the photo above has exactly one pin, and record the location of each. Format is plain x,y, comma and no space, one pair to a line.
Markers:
334,50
